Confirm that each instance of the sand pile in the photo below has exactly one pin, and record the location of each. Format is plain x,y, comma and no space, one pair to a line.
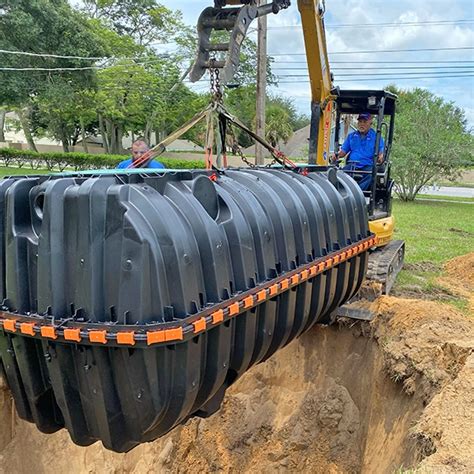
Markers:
459,278
356,397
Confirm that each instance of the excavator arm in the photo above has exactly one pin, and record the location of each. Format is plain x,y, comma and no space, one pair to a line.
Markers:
237,21
322,93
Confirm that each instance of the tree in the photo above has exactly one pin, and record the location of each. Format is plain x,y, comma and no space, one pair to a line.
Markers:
3,114
431,141
146,21
43,26
278,125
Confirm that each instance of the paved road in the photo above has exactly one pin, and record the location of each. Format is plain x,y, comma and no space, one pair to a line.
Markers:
448,191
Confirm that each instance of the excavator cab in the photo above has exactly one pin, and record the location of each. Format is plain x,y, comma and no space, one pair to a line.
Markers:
381,105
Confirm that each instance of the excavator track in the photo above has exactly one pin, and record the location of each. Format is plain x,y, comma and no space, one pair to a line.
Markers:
385,263
383,267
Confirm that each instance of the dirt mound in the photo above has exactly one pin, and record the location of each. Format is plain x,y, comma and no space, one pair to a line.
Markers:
357,397
459,278
462,269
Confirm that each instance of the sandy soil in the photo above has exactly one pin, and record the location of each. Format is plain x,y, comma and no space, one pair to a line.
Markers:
394,394
459,278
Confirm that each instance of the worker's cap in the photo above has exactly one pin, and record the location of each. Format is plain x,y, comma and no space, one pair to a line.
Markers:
364,117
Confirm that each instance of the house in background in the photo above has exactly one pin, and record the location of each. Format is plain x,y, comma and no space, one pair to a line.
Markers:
297,147
15,138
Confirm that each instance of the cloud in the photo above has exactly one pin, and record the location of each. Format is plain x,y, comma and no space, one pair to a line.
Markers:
285,39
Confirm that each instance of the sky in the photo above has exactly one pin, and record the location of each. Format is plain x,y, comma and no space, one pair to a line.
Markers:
399,25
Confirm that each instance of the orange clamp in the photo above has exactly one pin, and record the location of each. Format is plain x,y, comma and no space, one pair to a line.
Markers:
234,309
126,338
313,271
175,334
49,332
199,325
100,337
9,325
27,328
217,316
72,335
305,274
248,302
155,337
295,279
273,290
261,296
284,284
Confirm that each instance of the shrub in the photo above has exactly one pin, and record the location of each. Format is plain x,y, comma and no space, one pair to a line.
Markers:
79,161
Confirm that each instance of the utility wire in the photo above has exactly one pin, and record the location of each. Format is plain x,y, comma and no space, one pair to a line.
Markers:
440,73
91,58
385,79
381,51
373,68
88,68
383,25
381,61
60,56
306,80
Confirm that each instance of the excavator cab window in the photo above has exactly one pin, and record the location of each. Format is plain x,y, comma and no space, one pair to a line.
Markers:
381,105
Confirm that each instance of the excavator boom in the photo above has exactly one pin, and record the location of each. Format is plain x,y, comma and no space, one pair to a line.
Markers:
322,94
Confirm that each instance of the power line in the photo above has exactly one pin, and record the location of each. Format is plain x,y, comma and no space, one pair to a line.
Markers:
360,79
378,68
381,51
60,56
84,68
48,55
55,69
381,61
384,25
440,73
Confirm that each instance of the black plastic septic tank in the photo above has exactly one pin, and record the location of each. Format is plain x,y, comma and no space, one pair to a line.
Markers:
132,301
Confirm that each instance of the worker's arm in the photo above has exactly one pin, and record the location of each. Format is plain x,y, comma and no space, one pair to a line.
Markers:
345,149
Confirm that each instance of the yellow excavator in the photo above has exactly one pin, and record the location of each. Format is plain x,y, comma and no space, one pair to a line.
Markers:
213,271
329,105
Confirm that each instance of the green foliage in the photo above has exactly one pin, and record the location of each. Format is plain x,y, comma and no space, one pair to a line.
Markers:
430,143
281,116
80,161
278,124
146,21
434,232
46,26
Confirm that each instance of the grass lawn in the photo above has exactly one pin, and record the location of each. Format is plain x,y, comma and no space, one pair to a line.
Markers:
432,197
26,170
434,232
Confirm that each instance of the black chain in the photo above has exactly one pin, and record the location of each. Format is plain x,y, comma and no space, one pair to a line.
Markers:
269,165
216,89
236,149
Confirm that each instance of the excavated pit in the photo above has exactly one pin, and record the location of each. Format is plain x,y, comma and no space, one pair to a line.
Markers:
397,393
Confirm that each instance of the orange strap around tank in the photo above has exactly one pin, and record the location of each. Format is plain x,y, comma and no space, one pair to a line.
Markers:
93,333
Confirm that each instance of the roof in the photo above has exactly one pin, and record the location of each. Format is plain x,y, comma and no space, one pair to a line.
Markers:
357,101
184,145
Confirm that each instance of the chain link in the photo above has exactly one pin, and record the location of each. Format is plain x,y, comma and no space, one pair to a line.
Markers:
236,149
216,89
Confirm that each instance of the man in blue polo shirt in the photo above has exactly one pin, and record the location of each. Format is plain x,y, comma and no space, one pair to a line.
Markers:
360,148
139,148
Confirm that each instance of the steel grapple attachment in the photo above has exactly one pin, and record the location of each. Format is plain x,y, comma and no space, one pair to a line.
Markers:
132,301
236,21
